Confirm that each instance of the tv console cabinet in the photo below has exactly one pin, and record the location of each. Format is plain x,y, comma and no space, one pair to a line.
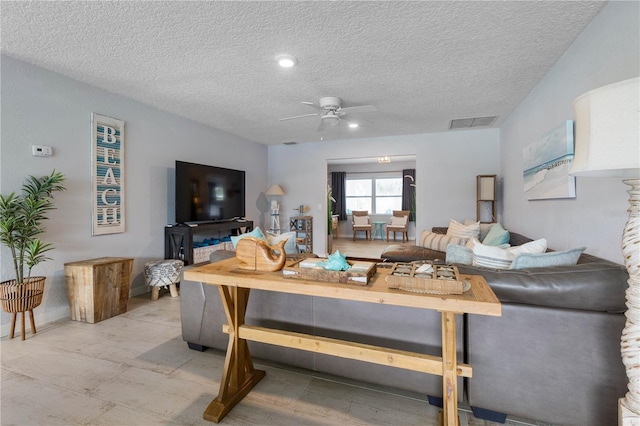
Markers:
178,239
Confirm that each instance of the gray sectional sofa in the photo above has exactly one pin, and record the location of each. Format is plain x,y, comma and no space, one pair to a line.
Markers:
553,356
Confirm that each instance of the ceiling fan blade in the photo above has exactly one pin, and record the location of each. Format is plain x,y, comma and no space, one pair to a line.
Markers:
298,116
358,109
311,104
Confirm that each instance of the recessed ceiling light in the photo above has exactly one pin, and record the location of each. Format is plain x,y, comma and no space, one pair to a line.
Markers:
353,125
286,61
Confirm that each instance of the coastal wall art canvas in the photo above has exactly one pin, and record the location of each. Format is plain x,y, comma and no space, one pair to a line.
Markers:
546,164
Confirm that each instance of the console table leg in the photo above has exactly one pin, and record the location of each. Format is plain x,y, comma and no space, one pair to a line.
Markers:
449,367
238,374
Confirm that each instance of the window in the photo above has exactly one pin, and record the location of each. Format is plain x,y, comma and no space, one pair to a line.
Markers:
378,195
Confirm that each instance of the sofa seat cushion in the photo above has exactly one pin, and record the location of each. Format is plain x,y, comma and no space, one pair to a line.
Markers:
407,253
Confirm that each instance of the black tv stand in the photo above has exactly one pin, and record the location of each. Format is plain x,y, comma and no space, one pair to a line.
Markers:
178,239
210,222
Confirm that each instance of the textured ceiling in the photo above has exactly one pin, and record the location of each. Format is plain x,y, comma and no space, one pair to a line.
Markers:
420,64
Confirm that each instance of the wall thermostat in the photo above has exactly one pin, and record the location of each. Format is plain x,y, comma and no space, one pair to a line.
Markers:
41,151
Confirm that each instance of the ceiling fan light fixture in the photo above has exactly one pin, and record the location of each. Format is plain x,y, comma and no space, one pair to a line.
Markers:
331,119
353,125
286,61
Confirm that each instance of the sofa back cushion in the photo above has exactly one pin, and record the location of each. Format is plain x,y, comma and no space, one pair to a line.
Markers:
595,286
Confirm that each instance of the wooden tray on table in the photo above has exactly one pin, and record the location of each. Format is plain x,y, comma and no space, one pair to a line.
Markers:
440,279
360,273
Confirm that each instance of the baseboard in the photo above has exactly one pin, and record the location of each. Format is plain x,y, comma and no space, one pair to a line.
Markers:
39,318
137,291
42,318
489,415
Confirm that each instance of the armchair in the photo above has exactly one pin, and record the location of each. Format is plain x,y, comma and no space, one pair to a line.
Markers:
361,222
399,223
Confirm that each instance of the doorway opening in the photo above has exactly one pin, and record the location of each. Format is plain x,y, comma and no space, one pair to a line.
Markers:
375,185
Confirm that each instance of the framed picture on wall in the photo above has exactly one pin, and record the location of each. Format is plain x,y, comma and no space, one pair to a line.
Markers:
107,175
546,164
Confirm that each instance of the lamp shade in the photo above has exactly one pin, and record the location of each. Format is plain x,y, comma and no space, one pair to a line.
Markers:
274,190
607,131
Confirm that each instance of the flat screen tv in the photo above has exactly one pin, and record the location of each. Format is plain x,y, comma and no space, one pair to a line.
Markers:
208,193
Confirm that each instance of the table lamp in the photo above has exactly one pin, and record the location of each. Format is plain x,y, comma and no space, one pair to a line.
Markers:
275,190
608,145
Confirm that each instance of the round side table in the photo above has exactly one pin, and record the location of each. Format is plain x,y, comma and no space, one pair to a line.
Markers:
378,228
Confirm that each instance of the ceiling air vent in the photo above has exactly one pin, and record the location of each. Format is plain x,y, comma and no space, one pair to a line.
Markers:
289,143
467,123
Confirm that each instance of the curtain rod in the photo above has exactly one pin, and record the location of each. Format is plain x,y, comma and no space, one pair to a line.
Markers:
370,173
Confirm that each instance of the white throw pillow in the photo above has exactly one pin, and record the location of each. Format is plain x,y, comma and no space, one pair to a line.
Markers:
492,256
360,220
536,246
290,247
456,229
484,228
502,258
399,220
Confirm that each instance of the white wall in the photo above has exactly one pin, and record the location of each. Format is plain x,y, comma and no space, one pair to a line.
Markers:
45,108
607,51
446,168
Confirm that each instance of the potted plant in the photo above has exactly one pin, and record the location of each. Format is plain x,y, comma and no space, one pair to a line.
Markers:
21,218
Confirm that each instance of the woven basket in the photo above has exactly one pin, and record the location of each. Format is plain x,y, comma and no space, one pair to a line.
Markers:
21,297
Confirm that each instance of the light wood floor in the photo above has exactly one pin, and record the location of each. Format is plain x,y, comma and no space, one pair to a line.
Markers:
364,248
135,369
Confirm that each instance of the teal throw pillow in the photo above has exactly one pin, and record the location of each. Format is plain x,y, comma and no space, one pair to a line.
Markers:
552,258
459,254
256,233
496,236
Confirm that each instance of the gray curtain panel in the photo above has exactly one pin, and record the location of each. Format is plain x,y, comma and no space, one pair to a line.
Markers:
338,184
409,192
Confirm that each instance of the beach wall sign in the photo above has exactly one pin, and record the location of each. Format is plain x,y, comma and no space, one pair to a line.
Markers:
107,175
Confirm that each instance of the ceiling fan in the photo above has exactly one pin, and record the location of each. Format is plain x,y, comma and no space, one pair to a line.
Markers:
331,112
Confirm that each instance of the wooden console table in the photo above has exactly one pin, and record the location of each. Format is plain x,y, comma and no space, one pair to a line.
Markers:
239,376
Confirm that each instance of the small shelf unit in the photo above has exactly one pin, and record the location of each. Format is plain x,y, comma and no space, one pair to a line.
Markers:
303,227
486,198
